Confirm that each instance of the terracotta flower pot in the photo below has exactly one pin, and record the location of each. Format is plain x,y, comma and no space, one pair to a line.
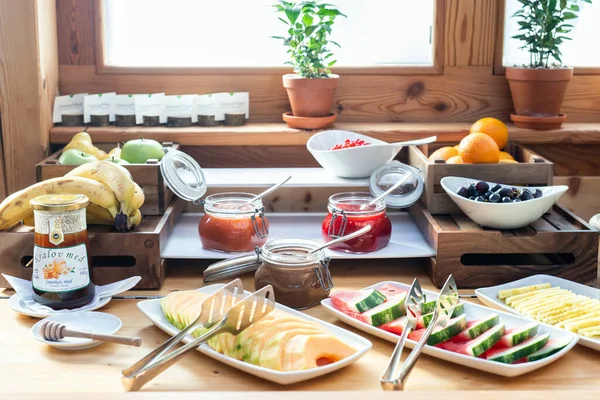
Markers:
538,92
310,97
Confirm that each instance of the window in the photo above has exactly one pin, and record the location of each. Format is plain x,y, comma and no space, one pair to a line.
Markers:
579,52
237,33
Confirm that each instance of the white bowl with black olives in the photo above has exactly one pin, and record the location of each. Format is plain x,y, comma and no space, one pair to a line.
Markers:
499,206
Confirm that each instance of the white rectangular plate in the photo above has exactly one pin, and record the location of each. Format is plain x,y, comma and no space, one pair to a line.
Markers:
473,312
152,310
407,240
489,297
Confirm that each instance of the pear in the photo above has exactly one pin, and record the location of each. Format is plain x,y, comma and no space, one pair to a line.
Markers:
83,142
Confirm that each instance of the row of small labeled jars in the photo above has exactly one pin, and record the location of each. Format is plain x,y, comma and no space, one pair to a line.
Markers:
234,223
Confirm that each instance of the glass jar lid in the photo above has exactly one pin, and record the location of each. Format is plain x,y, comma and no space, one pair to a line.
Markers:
183,175
59,202
387,175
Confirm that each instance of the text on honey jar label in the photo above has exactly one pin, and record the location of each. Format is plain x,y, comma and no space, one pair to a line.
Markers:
60,269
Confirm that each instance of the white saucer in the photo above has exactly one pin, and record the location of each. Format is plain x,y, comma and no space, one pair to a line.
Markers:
96,322
15,303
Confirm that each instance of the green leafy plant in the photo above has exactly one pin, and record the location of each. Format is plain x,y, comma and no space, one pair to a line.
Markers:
309,27
545,25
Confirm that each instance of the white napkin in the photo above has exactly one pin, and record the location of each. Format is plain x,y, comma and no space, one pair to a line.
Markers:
25,292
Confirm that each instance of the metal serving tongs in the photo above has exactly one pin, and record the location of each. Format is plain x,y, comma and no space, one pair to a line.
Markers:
220,312
396,374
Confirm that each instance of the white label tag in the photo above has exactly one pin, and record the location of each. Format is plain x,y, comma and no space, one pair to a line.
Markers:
232,103
178,106
61,269
122,104
70,104
149,105
96,104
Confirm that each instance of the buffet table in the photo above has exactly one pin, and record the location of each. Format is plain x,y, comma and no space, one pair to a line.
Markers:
28,367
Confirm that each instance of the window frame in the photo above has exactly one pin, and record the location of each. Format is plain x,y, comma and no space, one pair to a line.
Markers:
500,69
436,69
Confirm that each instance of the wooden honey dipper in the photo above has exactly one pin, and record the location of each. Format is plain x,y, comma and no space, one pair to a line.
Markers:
55,331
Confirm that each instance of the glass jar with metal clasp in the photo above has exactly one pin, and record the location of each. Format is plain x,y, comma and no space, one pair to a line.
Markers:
232,222
300,278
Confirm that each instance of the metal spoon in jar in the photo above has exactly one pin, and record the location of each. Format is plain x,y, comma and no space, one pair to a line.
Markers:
343,238
265,193
382,195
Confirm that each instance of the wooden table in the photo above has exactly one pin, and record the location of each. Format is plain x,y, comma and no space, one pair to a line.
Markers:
28,367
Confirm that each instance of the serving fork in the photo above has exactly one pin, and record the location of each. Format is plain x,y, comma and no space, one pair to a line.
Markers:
220,312
396,374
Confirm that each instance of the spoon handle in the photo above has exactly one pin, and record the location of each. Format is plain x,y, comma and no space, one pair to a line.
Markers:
131,341
344,238
417,142
390,190
266,192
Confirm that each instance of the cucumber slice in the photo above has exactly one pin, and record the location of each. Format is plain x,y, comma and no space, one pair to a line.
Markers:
386,312
367,300
452,328
518,335
485,341
522,350
476,328
552,347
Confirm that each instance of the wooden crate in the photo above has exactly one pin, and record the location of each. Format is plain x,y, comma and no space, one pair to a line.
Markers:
559,243
148,176
115,255
533,170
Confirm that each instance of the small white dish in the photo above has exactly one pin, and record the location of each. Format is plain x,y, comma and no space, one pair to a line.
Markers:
503,215
489,297
473,312
15,303
96,322
152,310
354,162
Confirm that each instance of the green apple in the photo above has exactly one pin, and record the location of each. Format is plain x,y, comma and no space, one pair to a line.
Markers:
75,157
140,150
117,160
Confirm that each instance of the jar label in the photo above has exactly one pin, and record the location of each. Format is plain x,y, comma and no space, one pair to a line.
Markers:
60,270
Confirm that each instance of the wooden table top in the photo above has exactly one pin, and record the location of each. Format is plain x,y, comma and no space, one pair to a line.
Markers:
31,368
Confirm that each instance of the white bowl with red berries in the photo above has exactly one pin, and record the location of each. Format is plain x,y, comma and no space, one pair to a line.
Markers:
348,154
494,205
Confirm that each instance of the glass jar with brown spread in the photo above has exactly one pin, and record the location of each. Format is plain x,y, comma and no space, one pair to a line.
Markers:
61,267
300,279
232,222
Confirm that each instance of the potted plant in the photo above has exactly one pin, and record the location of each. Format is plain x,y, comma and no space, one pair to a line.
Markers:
311,87
538,89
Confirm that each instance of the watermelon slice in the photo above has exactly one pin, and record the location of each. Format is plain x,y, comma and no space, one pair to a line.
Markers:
386,312
425,319
365,300
525,349
390,290
515,336
339,301
452,328
476,328
477,346
552,347
396,326
416,335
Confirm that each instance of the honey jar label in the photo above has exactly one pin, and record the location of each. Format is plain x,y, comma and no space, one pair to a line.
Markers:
60,270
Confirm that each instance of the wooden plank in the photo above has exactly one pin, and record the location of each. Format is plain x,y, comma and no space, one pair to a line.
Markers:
471,32
28,83
251,156
582,196
75,22
571,159
3,191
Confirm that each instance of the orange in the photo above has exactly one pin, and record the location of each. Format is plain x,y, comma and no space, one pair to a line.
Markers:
455,160
506,156
508,161
494,128
444,153
457,146
479,148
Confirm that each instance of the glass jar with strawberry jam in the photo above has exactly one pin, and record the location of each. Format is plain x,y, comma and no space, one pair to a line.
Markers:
352,211
345,217
232,222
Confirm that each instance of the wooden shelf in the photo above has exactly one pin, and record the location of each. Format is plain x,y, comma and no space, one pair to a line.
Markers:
278,134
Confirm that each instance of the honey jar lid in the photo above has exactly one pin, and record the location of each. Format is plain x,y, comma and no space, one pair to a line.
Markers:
59,202
387,175
183,175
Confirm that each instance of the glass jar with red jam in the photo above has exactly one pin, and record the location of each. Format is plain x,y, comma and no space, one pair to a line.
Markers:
233,222
346,216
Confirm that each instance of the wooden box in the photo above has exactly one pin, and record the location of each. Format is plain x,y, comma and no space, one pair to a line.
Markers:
148,176
115,255
559,243
532,170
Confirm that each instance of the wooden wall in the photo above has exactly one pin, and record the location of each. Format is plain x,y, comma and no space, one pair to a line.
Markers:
466,90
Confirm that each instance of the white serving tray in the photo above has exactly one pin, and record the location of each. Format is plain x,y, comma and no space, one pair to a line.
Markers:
473,312
152,310
489,296
407,240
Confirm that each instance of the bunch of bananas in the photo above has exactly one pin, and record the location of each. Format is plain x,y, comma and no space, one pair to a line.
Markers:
115,199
